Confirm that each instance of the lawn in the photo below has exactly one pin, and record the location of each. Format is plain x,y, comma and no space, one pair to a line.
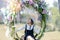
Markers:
47,36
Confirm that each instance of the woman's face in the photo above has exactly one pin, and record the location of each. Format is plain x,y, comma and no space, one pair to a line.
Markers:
29,21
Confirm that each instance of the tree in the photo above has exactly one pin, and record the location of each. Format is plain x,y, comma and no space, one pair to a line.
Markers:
59,5
13,8
55,4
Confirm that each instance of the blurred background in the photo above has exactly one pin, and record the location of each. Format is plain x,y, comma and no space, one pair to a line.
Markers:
52,31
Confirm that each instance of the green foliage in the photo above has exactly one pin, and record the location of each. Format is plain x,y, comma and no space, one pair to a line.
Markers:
55,14
55,17
40,10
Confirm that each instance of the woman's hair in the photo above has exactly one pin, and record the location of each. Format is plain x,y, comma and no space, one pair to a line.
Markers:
32,22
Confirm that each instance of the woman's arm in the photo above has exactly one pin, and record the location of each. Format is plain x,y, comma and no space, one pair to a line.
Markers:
21,28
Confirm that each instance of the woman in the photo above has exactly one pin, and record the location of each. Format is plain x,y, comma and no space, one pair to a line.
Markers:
29,29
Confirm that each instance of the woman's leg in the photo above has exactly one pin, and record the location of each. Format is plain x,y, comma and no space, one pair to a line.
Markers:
30,38
25,38
33,37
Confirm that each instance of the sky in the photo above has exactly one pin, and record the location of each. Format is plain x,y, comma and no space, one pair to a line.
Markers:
3,3
50,2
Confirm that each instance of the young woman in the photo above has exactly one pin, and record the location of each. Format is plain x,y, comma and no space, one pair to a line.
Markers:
29,29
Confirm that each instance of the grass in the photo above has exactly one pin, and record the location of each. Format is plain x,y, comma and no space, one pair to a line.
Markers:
47,36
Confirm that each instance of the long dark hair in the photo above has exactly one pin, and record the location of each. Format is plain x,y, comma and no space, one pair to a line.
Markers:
32,22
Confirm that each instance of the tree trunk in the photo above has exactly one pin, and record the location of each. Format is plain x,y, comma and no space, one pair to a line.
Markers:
43,25
59,5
